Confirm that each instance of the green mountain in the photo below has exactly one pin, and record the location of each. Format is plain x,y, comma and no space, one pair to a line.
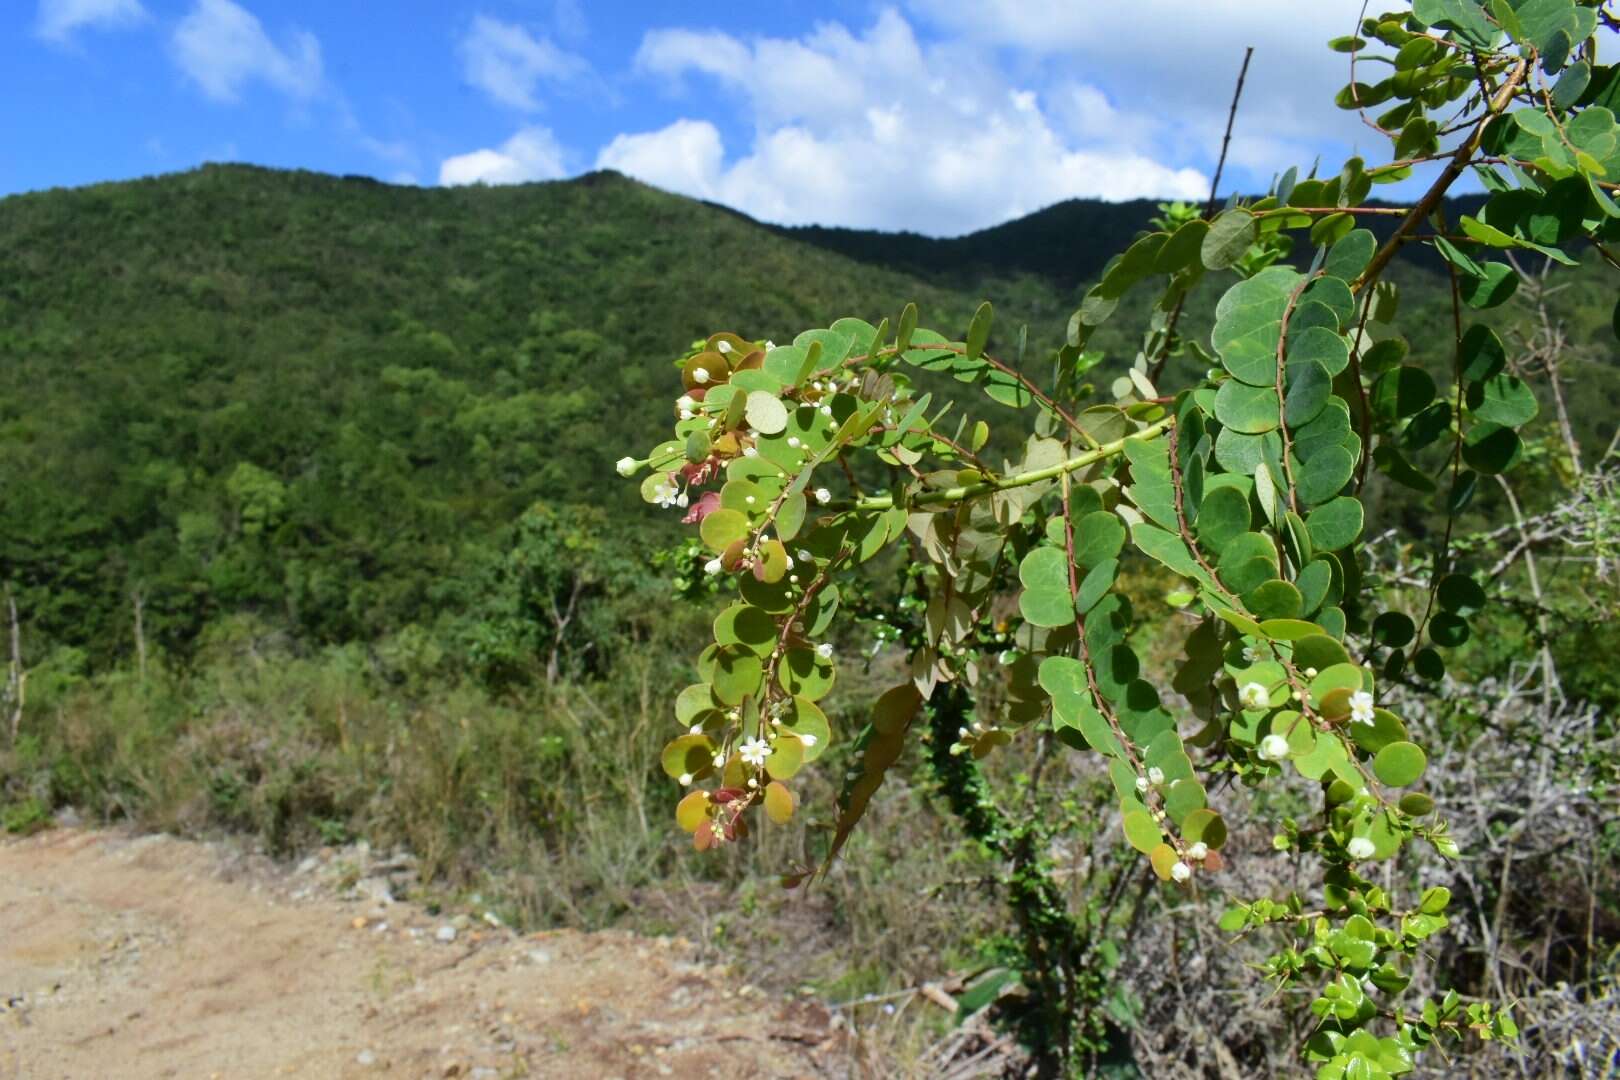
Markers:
327,401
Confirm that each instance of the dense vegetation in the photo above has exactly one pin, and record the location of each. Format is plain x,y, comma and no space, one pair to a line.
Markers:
310,520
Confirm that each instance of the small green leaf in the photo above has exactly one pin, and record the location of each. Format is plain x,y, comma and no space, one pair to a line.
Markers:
1228,239
978,331
1141,831
1399,764
1251,410
1335,524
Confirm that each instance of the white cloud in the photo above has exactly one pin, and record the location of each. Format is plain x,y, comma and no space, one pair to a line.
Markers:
222,46
531,154
1172,66
877,130
507,62
58,19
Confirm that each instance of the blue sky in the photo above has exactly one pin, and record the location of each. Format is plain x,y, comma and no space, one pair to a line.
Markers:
941,116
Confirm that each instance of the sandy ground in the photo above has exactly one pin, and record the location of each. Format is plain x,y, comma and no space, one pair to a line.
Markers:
128,956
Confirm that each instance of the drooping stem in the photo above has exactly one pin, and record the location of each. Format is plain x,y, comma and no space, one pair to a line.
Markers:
963,492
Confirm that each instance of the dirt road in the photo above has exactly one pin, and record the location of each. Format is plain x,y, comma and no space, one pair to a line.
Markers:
127,957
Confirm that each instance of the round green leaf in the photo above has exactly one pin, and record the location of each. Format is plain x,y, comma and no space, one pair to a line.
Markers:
1394,629
1403,392
1349,257
1228,239
1399,764
1481,354
1241,454
1223,515
1320,652
1461,594
1206,826
1324,475
787,755
1495,288
1309,387
1274,599
1319,345
1502,399
1428,664
1252,410
1141,831
1098,537
803,719
806,673
1335,525
1046,600
689,755
738,673
747,626
1448,630
1491,448
722,528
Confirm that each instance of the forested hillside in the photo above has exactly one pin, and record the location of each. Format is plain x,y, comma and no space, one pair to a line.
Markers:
328,401
318,399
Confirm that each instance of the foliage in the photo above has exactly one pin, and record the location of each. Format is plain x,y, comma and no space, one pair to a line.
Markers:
1245,486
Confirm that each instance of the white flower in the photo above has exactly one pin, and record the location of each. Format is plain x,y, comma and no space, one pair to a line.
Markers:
793,579
1359,847
666,495
1310,673
680,500
1141,783
793,441
1155,775
769,345
753,783
1181,871
1361,707
755,751
723,347
685,401
713,566
1254,696
825,650
826,410
695,729
626,466
686,414
807,739
1273,748
700,376
749,499
823,496
750,451
1199,851
685,779
719,761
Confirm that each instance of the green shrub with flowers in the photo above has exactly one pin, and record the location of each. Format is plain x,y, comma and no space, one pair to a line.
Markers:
798,464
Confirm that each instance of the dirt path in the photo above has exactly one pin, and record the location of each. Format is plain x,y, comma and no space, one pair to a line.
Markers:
135,957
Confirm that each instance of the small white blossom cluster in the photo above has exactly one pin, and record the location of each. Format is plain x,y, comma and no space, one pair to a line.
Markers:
1273,748
668,495
966,737
1254,695
754,752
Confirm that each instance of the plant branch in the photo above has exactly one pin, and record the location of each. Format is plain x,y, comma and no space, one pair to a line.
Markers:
963,492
